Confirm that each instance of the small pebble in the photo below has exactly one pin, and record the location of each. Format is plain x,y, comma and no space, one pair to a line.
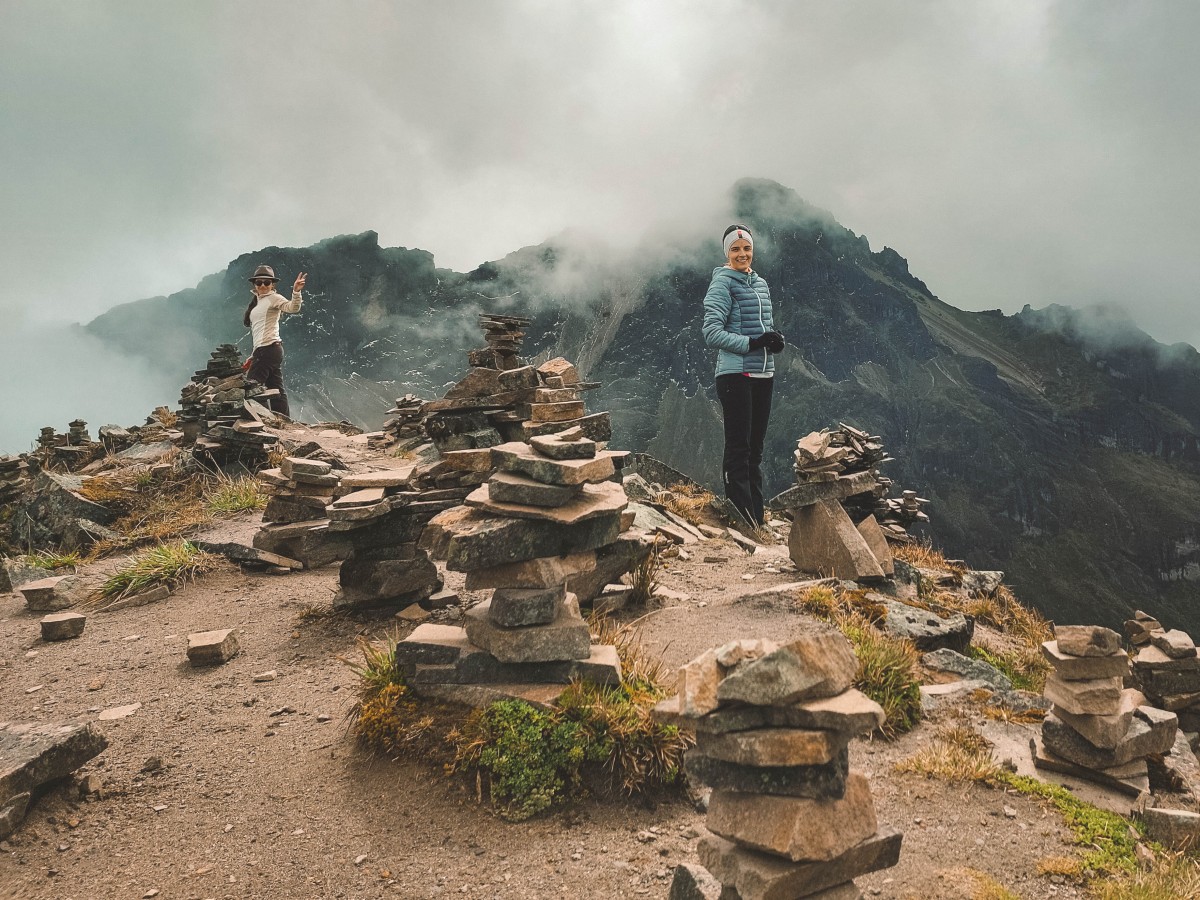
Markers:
359,860
265,676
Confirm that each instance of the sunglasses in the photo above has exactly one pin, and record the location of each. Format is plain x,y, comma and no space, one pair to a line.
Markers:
263,283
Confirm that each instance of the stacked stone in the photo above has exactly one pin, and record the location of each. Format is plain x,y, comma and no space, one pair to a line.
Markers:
788,818
503,398
213,402
300,490
12,471
1166,668
404,426
77,433
536,523
380,522
49,438
1097,729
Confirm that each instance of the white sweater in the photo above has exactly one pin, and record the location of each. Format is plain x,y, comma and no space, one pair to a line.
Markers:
264,318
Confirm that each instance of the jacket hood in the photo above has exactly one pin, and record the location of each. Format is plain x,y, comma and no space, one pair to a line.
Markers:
744,277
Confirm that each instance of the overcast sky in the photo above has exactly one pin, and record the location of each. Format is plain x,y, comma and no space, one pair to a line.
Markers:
1015,152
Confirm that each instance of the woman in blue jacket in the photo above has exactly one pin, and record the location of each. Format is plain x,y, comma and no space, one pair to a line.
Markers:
738,322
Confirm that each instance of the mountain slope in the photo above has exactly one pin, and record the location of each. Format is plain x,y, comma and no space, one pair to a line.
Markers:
1057,446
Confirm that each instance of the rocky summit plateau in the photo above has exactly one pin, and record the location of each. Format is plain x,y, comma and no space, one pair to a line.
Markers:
1055,446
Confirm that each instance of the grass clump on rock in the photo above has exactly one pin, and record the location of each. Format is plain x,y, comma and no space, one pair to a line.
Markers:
1026,669
598,740
167,564
51,559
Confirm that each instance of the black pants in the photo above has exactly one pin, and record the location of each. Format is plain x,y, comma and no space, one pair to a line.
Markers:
746,407
266,367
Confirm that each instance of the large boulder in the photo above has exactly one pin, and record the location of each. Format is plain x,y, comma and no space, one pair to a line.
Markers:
927,630
33,754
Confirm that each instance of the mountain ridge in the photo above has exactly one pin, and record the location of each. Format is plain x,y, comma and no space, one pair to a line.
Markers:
1058,446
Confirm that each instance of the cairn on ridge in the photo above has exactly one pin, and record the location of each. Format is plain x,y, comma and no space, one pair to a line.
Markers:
788,818
1166,668
503,398
1098,729
221,412
13,470
842,517
403,431
537,522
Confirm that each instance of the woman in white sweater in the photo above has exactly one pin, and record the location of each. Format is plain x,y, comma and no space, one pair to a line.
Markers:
262,318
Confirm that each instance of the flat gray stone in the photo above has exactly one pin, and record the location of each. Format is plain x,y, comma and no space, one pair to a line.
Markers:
515,607
1174,643
292,466
553,446
532,573
982,583
51,594
1178,829
947,660
826,780
62,626
522,459
809,667
1085,668
761,876
1105,732
595,500
849,713
1098,697
927,630
211,648
33,754
1150,732
506,487
479,541
368,581
1087,640
567,637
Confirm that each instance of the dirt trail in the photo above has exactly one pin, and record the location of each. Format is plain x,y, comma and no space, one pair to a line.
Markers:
221,787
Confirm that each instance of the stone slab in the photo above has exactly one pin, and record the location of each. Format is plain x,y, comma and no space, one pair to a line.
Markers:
517,607
849,713
240,553
479,540
448,657
798,828
693,882
555,447
771,746
811,492
1104,732
520,458
479,696
1087,640
567,637
51,594
824,540
293,466
62,626
33,754
1085,668
1098,697
532,573
366,581
947,660
760,876
827,780
594,501
808,667
1174,643
1131,779
927,630
507,487
211,648
873,535
1178,829
1149,733
310,543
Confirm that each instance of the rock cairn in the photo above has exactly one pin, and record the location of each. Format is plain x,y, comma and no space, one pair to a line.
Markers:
215,415
379,522
503,398
295,521
842,517
403,430
73,450
1098,729
13,470
788,818
536,523
77,433
1166,668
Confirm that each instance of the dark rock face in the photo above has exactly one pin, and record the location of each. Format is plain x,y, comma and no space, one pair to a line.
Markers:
1066,456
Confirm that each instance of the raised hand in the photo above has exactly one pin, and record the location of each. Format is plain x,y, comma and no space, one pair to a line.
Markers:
299,285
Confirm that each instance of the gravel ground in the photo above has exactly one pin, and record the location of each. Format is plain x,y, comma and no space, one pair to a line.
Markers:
220,786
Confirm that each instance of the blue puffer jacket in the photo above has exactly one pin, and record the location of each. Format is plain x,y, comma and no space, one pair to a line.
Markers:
737,307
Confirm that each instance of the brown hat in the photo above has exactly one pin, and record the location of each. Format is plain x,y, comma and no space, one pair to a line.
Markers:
263,272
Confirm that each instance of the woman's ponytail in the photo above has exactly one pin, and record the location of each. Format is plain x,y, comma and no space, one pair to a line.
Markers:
246,317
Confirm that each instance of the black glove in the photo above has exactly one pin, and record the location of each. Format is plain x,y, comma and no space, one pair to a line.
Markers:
772,340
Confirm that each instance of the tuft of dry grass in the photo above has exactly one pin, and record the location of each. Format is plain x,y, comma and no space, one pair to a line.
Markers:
689,501
107,490
923,555
159,512
644,577
1067,866
640,670
170,564
1172,877
957,754
165,416
887,668
819,600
